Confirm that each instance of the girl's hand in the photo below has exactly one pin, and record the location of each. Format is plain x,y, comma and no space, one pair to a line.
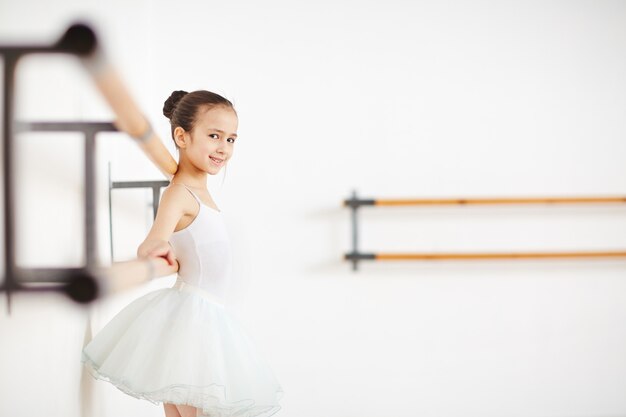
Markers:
157,249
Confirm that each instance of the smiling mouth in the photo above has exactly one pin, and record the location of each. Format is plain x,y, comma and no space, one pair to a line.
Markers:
216,161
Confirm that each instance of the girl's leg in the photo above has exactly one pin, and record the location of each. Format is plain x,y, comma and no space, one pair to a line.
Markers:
187,410
171,410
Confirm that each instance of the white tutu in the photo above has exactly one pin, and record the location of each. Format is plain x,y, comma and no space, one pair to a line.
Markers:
178,345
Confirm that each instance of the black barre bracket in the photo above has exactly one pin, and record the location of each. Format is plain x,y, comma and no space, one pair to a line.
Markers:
78,40
78,283
156,194
354,203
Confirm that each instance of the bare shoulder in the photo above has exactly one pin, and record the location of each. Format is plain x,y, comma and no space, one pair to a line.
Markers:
172,208
175,190
177,198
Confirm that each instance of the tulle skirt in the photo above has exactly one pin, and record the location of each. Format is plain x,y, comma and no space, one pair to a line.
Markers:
178,345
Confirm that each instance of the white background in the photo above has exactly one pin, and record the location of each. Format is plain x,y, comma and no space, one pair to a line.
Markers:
396,99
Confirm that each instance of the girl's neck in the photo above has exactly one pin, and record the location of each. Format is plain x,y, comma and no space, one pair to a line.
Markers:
191,177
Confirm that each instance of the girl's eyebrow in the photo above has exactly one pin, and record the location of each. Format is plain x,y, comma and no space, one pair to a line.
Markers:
222,132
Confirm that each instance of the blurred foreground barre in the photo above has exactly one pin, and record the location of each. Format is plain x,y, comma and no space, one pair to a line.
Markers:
87,283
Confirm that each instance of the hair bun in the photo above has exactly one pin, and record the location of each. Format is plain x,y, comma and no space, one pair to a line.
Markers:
172,101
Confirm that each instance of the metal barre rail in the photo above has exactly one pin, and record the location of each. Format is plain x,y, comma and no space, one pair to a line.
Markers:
86,284
355,256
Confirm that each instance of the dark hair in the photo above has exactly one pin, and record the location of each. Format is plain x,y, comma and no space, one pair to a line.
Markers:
182,107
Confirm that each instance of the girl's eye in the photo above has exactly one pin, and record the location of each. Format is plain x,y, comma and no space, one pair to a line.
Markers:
214,136
232,139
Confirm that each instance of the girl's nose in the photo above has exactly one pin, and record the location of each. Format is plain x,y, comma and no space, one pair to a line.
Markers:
221,148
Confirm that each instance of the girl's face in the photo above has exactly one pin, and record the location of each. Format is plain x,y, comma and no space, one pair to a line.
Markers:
212,139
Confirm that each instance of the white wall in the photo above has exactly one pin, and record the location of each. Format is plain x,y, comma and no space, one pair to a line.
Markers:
395,99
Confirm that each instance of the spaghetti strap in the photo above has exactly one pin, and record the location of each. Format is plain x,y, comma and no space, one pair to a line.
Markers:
202,204
193,194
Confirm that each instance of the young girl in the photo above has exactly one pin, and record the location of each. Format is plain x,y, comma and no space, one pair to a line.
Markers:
178,345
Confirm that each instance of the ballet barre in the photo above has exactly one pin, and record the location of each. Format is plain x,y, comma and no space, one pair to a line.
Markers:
354,203
155,186
482,201
89,131
83,284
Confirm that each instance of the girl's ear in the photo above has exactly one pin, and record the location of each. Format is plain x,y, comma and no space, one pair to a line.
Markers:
179,137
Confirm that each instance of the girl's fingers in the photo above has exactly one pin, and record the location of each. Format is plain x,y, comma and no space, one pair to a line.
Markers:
163,251
171,258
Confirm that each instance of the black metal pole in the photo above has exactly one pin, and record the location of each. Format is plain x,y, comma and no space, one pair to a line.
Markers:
110,215
355,237
91,228
156,193
10,62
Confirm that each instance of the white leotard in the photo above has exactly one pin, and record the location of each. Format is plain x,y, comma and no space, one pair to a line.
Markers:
204,253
